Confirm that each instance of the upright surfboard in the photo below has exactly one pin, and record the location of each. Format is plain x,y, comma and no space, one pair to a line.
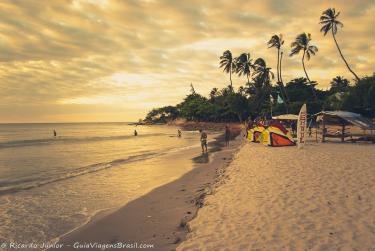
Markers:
301,127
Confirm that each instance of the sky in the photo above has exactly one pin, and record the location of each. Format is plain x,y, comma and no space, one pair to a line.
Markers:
114,60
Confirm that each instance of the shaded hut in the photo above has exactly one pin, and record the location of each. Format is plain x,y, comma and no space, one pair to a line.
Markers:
344,119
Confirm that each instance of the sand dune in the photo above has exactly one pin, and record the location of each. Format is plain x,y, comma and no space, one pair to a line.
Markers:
319,198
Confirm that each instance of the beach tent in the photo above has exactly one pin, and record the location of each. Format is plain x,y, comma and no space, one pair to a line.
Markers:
276,135
254,133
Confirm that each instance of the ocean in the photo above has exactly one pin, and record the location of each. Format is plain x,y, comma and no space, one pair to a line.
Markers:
51,185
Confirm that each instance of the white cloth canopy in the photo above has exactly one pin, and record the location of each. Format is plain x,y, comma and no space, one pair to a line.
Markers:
286,117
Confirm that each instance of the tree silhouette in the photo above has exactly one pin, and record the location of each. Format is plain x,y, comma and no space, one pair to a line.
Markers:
244,65
302,43
227,62
339,84
277,42
330,23
262,72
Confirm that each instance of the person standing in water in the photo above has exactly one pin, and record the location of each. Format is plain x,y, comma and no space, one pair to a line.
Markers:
227,135
179,133
135,133
203,140
54,133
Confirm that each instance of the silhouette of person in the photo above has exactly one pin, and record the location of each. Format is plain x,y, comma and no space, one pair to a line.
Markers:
227,135
203,140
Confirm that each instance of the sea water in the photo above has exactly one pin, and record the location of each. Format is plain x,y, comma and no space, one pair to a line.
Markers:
51,185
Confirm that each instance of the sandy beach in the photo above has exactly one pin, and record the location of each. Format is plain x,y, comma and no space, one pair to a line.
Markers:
160,217
319,198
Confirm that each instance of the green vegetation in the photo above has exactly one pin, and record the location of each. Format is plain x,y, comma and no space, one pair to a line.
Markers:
258,97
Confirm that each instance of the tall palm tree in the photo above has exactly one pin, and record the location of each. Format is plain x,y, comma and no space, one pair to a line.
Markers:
227,61
330,23
277,41
244,65
302,43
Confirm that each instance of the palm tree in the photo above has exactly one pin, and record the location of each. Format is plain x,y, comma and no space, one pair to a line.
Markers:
330,23
262,72
227,61
277,41
302,43
339,84
214,92
244,65
262,83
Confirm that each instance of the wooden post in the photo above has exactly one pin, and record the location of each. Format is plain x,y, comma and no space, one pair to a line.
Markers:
342,133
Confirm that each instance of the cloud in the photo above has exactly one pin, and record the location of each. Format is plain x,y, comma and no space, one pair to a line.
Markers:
109,59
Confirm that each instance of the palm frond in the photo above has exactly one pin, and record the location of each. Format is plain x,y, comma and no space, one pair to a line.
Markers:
260,62
325,28
329,16
295,51
307,53
313,48
339,23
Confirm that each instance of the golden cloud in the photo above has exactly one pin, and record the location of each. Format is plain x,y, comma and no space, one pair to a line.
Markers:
108,59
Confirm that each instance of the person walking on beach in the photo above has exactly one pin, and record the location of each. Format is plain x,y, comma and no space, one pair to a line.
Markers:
294,128
135,133
203,140
227,135
179,133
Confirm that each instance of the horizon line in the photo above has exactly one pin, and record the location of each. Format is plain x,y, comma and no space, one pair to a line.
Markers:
74,122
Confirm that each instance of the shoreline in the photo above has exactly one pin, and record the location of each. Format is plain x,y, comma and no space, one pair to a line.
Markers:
159,217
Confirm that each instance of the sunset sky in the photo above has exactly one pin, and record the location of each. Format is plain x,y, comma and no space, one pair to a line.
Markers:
104,60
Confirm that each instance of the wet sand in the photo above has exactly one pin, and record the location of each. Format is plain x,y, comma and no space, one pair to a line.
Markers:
158,218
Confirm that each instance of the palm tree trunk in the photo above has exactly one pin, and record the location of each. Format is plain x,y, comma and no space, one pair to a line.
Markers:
347,65
303,65
281,59
281,80
248,80
279,75
283,90
278,65
307,76
230,77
